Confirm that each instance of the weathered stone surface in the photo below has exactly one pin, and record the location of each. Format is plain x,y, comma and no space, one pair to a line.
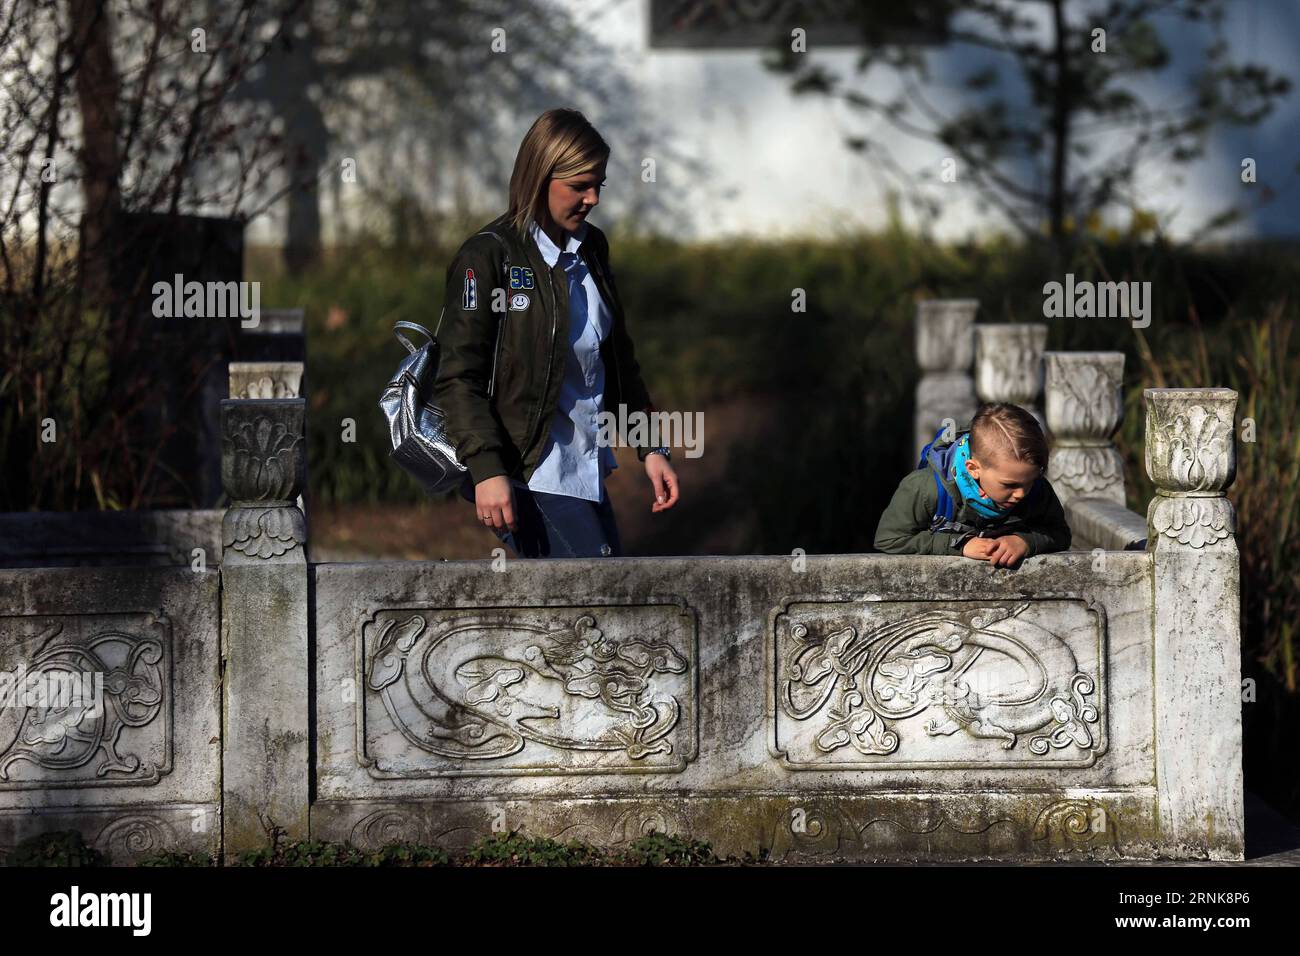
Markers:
1009,364
47,539
1191,456
903,683
1101,523
1059,662
913,707
812,826
1084,407
136,767
264,624
288,322
266,379
944,350
1083,707
264,450
527,690
264,734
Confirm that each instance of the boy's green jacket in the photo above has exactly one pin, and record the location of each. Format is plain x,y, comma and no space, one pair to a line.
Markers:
905,526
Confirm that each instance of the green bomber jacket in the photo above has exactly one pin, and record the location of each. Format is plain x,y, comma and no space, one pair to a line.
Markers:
904,527
500,391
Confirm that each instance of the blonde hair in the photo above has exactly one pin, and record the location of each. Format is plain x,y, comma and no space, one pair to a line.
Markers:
559,145
1000,428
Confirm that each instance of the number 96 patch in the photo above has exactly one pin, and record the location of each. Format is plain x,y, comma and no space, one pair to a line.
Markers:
521,277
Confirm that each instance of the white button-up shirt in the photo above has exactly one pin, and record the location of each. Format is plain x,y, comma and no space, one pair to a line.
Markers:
571,463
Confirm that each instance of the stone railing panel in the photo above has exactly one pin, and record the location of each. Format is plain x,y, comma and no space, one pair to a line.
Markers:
45,539
1101,523
112,713
817,712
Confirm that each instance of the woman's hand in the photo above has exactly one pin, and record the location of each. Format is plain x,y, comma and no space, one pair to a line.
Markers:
660,472
494,500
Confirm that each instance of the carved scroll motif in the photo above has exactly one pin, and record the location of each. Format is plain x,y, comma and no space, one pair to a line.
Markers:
80,739
513,693
990,673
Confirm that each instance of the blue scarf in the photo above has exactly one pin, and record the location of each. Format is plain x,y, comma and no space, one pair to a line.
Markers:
968,486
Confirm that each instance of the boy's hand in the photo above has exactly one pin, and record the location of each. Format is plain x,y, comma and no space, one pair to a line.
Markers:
978,548
1008,550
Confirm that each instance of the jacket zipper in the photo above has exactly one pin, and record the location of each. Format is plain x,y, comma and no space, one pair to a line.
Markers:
496,354
546,386
501,326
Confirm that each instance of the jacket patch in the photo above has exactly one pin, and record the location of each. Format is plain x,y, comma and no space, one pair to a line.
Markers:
521,277
519,301
469,299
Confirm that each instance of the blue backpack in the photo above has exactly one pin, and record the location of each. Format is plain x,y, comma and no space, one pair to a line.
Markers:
939,461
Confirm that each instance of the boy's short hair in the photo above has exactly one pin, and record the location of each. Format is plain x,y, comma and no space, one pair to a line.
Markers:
1001,429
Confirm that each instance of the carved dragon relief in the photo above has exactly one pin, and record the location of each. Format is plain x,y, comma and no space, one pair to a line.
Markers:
480,691
857,685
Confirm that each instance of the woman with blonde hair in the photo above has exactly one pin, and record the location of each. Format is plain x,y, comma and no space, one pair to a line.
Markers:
534,348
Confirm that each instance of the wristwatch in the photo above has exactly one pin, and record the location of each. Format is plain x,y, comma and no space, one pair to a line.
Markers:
660,451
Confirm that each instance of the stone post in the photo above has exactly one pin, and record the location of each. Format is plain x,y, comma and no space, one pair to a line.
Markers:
944,349
1009,364
1191,457
264,602
1084,406
268,380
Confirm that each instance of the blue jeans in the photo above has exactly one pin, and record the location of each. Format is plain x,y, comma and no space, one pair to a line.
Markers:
560,526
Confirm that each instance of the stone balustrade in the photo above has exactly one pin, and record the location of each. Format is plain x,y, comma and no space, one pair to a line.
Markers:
266,379
1076,397
1085,405
264,622
1009,364
837,707
870,707
1191,456
944,352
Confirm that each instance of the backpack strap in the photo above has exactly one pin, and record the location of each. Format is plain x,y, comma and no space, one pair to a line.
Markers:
433,338
938,460
414,327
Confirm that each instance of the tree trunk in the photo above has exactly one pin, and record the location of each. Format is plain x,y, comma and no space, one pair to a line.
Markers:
97,94
1061,106
307,140
302,238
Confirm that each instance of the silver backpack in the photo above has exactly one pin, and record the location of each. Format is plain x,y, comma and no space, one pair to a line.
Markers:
416,427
